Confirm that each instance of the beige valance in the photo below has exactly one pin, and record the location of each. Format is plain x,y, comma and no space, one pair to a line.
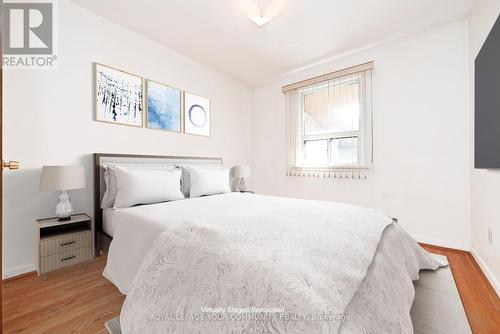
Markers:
329,76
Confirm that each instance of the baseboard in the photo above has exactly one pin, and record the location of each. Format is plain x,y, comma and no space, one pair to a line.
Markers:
486,271
14,278
441,243
18,271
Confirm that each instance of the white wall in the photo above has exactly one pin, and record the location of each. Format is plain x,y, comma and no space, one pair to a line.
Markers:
421,105
421,135
485,184
48,119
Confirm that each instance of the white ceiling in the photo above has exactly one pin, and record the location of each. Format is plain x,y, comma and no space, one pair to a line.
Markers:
218,33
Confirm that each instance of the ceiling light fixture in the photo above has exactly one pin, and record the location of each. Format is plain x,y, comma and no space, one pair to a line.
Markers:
260,20
261,12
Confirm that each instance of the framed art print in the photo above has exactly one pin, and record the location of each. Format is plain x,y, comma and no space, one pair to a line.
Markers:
119,96
196,115
163,107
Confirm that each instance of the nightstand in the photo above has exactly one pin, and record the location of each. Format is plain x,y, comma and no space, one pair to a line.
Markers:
61,244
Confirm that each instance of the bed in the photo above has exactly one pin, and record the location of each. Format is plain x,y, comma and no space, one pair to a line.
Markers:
245,263
110,221
103,217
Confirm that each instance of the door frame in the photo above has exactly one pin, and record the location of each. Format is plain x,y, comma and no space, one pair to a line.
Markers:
1,162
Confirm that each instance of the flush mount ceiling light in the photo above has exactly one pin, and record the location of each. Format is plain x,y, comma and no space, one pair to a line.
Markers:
261,12
259,20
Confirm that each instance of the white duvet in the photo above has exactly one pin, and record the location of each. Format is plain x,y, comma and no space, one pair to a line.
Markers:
242,263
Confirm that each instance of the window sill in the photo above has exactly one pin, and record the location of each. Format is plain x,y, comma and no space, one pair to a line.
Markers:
337,172
331,169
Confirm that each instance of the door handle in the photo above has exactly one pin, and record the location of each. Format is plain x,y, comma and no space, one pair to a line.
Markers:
10,165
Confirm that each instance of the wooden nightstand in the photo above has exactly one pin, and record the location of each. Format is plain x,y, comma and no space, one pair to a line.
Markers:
63,244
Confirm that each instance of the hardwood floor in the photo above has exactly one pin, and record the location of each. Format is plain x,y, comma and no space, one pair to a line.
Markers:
80,300
73,300
480,301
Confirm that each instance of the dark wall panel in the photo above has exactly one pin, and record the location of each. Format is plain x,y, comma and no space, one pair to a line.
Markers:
487,102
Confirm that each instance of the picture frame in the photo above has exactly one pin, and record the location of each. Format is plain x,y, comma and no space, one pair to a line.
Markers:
197,115
163,107
119,96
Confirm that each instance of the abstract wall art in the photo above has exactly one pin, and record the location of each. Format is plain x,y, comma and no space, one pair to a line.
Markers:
119,96
163,107
197,116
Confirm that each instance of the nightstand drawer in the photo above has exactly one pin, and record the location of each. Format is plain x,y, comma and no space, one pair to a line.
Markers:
65,243
65,259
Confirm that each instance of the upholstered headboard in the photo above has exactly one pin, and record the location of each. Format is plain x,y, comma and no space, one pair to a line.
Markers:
102,240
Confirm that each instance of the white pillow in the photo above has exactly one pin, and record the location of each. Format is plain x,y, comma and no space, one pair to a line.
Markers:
108,199
146,186
208,181
185,184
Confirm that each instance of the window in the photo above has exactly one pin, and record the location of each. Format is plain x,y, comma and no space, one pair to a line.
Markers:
329,123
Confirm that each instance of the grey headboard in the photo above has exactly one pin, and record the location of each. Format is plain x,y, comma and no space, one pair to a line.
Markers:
101,238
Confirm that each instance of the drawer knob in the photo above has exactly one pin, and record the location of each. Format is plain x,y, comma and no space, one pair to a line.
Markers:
68,243
68,258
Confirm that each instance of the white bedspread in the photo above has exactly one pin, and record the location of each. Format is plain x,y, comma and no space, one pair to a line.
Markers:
299,259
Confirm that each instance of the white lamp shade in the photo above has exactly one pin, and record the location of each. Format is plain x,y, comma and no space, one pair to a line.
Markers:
242,171
62,178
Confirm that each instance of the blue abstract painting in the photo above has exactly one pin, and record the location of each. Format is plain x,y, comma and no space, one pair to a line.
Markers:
164,107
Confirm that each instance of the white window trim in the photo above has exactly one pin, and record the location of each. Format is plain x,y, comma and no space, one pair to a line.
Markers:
295,138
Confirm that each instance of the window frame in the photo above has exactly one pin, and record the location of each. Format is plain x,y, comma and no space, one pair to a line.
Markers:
363,134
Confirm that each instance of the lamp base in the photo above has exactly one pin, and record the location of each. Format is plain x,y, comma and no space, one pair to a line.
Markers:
63,219
64,208
242,185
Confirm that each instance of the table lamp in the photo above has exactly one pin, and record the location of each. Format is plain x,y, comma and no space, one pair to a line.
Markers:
242,172
63,178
